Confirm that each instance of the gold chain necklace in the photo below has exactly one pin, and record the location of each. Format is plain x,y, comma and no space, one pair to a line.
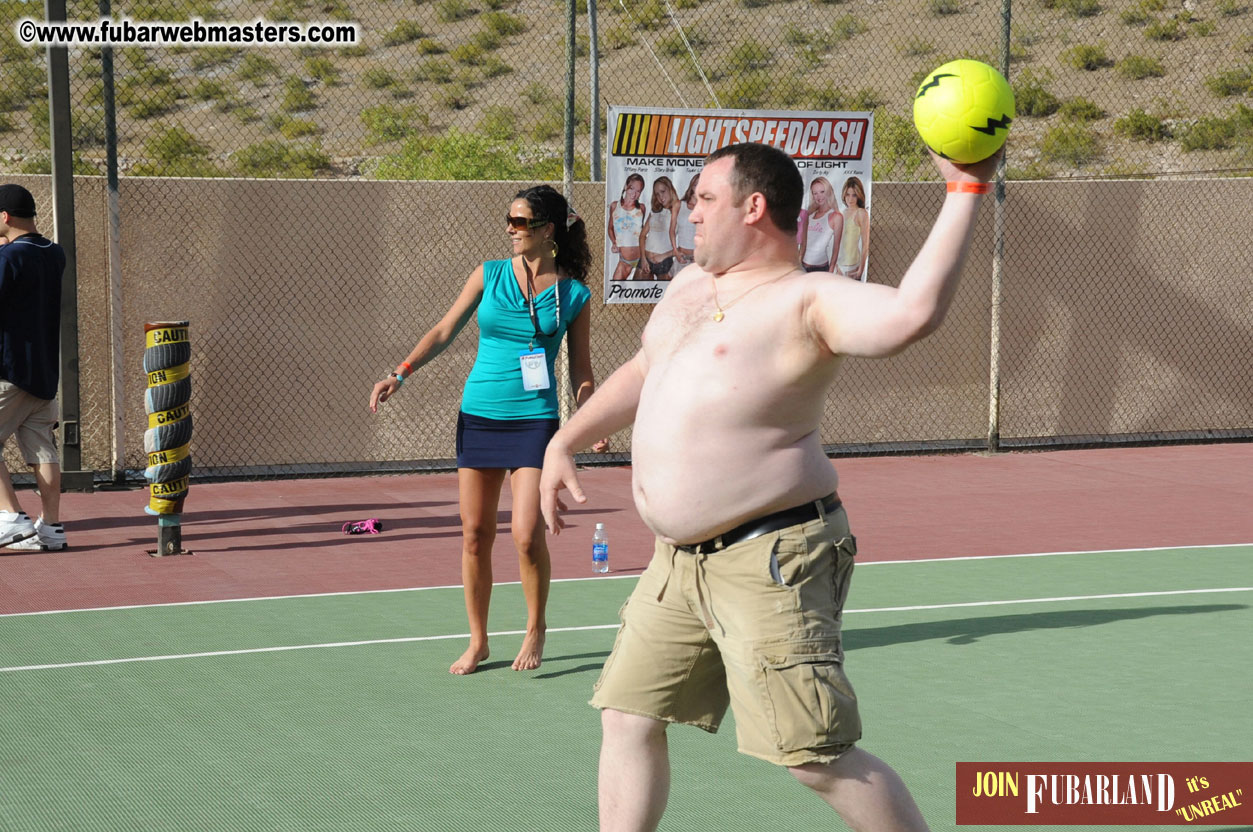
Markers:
719,315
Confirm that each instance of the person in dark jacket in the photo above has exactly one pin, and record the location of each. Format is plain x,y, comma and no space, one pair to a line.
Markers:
30,339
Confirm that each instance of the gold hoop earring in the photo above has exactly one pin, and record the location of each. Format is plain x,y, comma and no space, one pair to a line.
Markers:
553,243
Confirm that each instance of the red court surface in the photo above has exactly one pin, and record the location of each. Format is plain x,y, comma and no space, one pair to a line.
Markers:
283,537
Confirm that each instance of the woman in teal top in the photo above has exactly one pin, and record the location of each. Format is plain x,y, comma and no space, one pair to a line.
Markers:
525,306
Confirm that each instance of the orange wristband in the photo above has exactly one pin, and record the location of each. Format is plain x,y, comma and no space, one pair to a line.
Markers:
408,367
969,187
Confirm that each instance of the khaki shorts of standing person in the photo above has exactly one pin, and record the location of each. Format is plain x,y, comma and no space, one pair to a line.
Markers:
755,625
33,420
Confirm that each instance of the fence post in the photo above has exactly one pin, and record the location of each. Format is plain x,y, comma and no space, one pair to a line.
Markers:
568,162
594,64
116,399
167,353
998,262
73,478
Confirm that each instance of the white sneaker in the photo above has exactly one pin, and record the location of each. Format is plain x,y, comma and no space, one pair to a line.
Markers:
48,537
15,527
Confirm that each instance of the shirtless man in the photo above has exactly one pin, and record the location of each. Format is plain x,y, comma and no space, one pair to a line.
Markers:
742,602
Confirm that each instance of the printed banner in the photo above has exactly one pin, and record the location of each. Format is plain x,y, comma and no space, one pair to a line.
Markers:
655,158
1104,794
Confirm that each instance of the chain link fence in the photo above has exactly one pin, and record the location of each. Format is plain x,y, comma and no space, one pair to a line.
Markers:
1123,311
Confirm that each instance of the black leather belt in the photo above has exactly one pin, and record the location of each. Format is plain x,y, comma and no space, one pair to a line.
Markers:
763,525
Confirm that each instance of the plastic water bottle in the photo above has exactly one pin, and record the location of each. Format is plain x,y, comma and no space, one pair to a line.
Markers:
600,549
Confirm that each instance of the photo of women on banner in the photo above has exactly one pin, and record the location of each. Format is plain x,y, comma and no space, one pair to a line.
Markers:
653,174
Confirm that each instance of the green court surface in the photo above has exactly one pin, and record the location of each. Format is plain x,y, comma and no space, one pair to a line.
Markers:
208,717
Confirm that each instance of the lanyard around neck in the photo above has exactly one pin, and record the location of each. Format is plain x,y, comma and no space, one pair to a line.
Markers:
530,302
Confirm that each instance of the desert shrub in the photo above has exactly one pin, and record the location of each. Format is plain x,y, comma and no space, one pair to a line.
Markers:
1072,144
297,97
1075,8
1032,98
915,47
673,46
455,96
322,69
898,150
1164,30
386,123
256,68
746,56
1081,109
470,54
1220,132
294,128
1139,67
209,89
405,31
1142,126
211,56
504,24
1231,82
175,151
377,78
432,69
1086,57
618,37
494,67
450,11
847,26
274,159
499,123
745,91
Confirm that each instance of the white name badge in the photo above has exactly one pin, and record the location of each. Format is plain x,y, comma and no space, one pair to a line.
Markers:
534,369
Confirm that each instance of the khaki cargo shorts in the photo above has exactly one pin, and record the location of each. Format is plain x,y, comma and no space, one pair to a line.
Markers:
755,626
33,420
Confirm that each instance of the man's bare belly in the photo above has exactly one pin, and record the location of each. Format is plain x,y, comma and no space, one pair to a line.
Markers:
698,476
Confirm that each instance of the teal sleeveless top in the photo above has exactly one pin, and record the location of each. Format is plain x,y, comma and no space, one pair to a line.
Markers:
494,387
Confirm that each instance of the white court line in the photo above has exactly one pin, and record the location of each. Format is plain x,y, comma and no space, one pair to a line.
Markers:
600,578
411,639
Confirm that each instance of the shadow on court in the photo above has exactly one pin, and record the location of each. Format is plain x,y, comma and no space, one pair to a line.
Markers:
506,664
570,671
349,510
971,630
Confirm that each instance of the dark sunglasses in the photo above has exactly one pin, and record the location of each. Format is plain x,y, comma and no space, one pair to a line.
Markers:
524,222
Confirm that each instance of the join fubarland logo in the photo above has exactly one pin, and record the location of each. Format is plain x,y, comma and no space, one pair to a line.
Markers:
1096,794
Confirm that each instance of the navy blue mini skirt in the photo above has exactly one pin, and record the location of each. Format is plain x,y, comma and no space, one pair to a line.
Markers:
502,443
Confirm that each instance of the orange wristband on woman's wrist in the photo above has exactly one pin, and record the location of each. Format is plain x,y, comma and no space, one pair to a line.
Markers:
408,367
969,187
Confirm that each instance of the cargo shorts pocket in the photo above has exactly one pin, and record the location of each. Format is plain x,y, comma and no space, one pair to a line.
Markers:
809,701
617,644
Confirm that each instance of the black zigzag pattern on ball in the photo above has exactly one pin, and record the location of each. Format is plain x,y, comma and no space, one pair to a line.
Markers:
934,82
994,124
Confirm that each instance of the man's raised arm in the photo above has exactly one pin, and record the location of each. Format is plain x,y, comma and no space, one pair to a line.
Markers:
610,409
873,320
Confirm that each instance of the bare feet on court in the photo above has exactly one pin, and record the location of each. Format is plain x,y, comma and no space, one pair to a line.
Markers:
532,652
469,661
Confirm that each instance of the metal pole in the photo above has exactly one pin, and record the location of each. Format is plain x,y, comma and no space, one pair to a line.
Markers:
72,477
998,263
568,163
117,405
597,171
